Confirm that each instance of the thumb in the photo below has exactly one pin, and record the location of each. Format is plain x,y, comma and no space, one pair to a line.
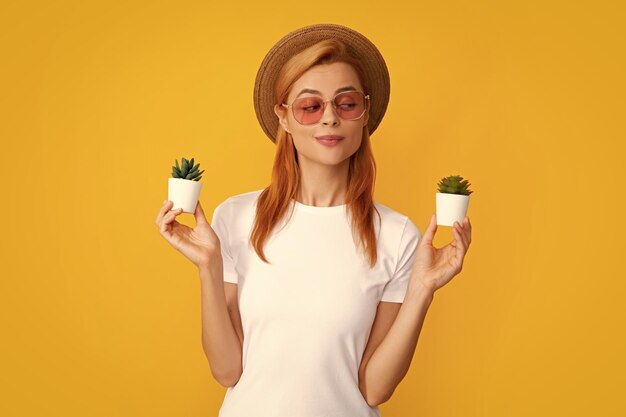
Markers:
199,214
427,239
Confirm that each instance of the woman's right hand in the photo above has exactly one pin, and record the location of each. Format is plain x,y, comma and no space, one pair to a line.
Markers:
199,244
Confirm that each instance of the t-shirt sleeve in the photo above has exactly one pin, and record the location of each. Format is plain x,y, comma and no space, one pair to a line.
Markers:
220,223
395,289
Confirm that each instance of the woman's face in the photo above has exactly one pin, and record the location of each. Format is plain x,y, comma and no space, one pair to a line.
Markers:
326,79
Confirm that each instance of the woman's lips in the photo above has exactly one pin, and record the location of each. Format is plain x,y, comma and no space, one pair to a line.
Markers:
329,140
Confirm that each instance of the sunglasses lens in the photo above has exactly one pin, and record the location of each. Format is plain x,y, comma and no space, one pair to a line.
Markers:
308,110
350,105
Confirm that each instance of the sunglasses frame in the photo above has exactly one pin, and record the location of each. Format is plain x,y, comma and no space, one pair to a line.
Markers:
332,100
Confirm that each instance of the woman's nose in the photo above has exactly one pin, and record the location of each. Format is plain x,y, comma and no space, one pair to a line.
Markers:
330,115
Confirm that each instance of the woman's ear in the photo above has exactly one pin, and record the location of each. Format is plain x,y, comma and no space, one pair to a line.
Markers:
281,114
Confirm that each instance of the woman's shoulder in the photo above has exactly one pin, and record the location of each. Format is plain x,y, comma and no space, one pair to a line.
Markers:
249,196
389,214
242,201
398,224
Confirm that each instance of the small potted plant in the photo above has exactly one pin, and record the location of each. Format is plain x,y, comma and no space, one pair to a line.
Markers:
184,186
452,200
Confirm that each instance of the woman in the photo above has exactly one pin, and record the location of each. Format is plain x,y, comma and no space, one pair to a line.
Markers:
313,294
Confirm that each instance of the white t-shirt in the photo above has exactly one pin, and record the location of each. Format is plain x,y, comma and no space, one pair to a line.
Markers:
307,316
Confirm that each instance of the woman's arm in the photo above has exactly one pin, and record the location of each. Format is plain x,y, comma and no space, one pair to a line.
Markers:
220,341
391,360
432,269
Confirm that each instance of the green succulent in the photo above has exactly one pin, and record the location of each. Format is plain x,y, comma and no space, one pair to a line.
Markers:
188,171
454,184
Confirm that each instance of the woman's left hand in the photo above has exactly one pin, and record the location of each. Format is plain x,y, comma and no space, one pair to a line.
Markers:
435,267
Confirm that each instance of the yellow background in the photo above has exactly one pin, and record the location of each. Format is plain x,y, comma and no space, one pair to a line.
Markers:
525,99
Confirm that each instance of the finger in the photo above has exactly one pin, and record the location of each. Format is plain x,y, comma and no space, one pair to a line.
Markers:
469,231
171,215
164,208
455,232
466,233
427,239
164,227
167,205
466,223
199,214
462,233
169,218
460,246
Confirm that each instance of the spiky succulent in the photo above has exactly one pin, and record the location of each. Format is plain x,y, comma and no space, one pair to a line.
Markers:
187,171
454,184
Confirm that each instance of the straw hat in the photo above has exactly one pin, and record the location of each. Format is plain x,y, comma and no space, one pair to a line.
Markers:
377,75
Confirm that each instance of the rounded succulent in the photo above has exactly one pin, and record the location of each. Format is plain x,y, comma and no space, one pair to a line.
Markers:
187,171
454,184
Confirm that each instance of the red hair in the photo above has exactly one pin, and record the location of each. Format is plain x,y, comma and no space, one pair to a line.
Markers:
274,201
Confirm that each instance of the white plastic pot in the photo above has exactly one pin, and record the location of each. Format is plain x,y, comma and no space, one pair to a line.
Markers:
184,193
451,208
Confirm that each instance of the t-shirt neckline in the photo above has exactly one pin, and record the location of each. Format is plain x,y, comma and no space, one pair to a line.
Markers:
319,209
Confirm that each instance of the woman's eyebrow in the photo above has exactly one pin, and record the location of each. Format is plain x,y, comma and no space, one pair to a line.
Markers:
339,90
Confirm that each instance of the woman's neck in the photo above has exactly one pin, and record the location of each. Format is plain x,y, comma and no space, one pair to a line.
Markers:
323,186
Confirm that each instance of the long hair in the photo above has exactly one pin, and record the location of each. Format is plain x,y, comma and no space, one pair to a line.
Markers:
275,200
